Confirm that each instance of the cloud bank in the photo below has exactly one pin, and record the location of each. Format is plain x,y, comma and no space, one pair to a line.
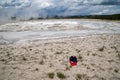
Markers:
35,8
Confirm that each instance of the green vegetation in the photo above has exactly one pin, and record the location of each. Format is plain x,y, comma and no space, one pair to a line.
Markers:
77,50
101,49
78,76
51,75
108,17
41,62
24,59
116,70
3,60
61,75
68,67
104,17
80,57
59,52
36,69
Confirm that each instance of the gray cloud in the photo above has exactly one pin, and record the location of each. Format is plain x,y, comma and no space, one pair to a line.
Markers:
110,2
34,8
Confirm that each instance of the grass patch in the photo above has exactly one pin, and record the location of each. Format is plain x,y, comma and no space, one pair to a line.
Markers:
44,56
3,60
101,49
36,69
88,54
61,75
68,67
51,65
78,76
30,49
51,75
77,50
114,47
59,52
116,70
80,57
41,62
24,59
94,54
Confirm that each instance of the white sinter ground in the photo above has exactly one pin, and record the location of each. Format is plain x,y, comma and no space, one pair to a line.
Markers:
50,29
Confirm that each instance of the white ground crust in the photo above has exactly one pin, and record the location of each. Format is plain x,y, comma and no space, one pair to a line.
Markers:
52,29
30,50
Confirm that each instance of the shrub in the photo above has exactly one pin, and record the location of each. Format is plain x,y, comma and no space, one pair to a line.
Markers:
78,76
42,62
51,75
67,68
101,49
61,75
59,52
24,59
116,70
80,57
36,69
77,50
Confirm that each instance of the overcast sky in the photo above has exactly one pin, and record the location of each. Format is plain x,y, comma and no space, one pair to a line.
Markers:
35,8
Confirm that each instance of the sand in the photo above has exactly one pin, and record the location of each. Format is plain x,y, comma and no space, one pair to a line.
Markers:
98,58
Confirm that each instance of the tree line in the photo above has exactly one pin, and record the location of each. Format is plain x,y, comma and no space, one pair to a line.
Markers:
106,17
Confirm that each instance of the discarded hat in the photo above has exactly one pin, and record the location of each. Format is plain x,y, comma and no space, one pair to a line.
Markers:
73,60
